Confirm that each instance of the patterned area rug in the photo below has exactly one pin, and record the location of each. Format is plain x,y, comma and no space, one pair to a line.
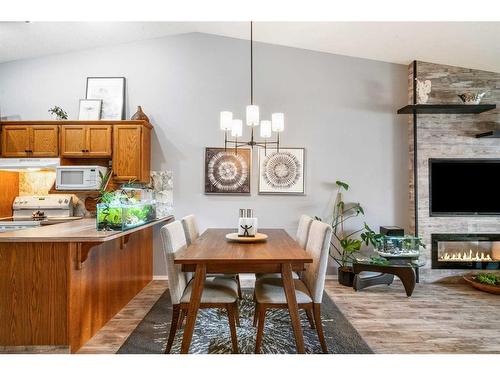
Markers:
211,334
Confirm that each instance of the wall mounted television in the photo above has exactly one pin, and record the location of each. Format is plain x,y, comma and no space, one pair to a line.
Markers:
464,187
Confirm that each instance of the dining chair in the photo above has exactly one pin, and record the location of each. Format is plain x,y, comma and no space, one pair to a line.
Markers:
192,233
270,294
305,222
217,292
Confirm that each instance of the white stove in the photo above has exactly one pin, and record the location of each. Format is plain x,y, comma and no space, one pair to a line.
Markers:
39,207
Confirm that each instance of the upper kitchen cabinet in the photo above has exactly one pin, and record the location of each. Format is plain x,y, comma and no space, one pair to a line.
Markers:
83,141
131,152
44,141
30,141
126,143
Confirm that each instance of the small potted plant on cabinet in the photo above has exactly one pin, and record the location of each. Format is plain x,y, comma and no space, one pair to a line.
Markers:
345,244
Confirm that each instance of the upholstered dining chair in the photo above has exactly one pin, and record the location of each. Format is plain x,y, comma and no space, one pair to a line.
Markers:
305,222
270,294
192,233
217,292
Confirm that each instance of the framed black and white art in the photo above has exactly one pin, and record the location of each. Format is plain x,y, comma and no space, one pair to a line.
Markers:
111,90
282,172
90,109
227,172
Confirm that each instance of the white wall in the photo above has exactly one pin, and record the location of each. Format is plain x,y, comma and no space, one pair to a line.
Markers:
341,109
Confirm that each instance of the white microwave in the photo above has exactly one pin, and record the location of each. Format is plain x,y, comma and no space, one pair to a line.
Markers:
79,177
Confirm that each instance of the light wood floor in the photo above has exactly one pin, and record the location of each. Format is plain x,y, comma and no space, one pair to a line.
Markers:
438,318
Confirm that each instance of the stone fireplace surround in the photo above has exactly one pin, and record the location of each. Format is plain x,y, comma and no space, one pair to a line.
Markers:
449,136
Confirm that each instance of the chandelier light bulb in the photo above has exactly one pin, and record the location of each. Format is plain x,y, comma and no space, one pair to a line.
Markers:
252,115
278,122
226,120
237,128
265,129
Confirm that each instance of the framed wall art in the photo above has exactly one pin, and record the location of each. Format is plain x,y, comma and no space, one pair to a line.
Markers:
90,109
282,172
227,172
111,90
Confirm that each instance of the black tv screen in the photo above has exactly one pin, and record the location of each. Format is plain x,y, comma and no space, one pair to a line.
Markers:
464,187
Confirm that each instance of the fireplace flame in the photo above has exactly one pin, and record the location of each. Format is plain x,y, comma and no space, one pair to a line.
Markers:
464,256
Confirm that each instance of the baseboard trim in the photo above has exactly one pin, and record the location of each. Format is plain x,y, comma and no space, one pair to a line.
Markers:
243,277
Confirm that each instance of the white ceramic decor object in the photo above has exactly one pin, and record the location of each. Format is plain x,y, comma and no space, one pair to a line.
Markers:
247,226
423,91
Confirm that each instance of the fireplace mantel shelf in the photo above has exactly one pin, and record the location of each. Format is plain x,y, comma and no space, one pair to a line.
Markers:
446,108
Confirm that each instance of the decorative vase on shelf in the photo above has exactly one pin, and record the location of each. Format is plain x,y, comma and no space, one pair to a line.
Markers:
423,90
140,115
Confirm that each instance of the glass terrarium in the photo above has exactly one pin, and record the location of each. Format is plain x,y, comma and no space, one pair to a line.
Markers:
123,216
406,246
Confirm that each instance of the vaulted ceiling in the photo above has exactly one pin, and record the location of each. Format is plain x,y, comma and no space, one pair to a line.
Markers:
467,44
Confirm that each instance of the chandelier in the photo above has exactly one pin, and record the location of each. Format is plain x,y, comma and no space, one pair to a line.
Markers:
234,127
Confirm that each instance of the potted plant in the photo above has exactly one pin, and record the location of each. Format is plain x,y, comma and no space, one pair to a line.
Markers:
58,113
345,245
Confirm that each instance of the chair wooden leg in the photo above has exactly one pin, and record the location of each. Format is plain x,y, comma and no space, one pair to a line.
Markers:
173,327
319,326
182,317
232,326
260,328
237,314
255,314
309,314
240,295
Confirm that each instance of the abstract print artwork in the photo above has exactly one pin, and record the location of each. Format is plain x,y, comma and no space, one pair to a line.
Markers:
227,172
281,172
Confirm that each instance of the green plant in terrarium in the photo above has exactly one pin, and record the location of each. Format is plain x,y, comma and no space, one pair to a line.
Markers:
119,211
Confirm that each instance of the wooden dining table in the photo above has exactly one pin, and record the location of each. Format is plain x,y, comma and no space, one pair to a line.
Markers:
213,253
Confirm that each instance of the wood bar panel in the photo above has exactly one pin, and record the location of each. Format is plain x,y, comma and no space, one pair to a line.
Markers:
62,293
33,293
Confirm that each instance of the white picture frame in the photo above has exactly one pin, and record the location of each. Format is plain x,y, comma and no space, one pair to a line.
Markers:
283,172
111,90
90,109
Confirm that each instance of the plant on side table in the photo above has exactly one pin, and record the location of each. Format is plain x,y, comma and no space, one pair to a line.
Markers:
345,245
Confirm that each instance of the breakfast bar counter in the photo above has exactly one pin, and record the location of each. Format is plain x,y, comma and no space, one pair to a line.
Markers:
83,230
59,284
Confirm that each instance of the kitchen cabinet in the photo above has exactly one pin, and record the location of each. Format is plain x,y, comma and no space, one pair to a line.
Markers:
126,143
44,141
30,141
83,141
131,152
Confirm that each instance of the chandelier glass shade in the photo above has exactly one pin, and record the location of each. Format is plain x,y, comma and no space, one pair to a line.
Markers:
234,127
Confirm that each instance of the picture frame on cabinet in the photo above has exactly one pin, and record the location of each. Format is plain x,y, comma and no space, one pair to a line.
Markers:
90,109
283,172
227,172
111,90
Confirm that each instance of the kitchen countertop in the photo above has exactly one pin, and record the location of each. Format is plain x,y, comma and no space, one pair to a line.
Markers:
83,230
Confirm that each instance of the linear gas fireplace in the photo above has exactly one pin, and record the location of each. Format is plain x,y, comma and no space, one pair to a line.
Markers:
466,251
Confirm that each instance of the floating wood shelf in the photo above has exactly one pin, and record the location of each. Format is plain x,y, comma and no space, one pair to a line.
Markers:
446,108
490,134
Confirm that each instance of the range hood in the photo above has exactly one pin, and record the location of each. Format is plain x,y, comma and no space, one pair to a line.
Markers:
29,164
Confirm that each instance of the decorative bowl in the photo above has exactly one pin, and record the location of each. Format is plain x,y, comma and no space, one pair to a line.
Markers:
470,278
471,98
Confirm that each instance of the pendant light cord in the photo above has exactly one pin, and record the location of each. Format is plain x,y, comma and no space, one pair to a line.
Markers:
251,62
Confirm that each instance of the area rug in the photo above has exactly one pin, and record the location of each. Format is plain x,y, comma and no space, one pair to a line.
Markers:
212,335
